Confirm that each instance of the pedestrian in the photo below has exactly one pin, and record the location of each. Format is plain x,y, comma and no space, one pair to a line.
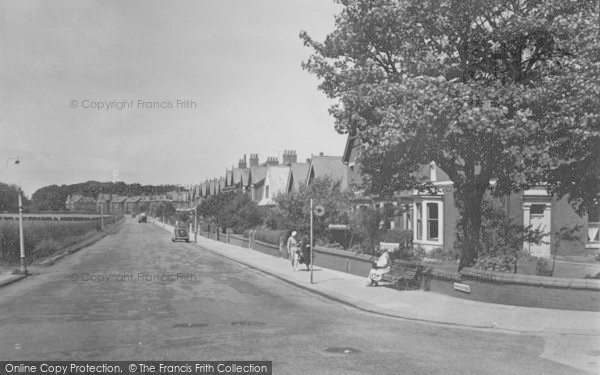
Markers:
380,268
306,252
293,250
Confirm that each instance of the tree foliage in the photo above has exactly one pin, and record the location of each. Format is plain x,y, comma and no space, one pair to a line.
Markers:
50,198
494,89
9,198
365,227
231,210
293,210
53,197
502,239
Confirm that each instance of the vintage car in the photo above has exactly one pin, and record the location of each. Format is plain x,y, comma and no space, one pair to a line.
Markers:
180,233
142,218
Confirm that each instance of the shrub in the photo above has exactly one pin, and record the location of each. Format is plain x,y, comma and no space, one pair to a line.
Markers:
501,242
403,237
543,268
46,247
271,236
364,224
438,253
495,263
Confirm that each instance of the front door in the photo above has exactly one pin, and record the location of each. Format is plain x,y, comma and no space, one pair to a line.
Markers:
539,218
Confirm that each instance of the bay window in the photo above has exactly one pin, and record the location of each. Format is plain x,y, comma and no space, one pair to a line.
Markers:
419,216
433,227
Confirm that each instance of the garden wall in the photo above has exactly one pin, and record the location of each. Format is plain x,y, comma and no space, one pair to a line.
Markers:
343,261
520,290
483,286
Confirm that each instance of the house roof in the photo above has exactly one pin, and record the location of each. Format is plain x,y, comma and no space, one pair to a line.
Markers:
297,176
276,179
79,198
424,173
332,166
237,176
245,175
104,197
350,142
257,174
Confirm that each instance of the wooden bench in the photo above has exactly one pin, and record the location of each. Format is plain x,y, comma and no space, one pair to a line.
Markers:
409,274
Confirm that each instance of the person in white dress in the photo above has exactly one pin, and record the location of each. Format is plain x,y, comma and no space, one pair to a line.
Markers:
293,250
380,268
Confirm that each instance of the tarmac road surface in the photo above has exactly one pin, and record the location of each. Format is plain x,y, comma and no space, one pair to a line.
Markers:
135,295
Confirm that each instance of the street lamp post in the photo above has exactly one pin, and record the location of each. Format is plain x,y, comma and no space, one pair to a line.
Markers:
23,266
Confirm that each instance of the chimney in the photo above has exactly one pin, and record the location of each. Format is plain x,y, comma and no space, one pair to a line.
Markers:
289,157
253,160
272,160
242,163
432,172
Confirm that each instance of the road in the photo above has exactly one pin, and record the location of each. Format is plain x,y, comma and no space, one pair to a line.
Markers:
108,302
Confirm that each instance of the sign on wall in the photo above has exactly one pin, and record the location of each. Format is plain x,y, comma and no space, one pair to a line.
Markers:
462,287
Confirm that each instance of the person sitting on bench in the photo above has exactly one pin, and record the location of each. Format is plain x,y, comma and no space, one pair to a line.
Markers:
380,268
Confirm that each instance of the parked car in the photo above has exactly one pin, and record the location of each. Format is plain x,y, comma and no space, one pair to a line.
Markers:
142,218
180,233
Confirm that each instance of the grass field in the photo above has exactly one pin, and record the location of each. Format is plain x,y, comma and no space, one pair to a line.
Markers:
43,238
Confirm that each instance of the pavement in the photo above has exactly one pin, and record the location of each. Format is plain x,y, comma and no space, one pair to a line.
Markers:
416,305
9,276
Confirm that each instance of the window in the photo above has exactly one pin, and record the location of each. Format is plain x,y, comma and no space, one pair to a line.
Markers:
432,222
267,191
419,216
537,209
408,221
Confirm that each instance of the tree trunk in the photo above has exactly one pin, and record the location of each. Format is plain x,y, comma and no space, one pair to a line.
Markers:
471,227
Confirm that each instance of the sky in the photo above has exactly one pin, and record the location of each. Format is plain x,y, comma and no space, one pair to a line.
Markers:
157,92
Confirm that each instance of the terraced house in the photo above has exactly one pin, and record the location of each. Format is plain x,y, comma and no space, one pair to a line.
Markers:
432,216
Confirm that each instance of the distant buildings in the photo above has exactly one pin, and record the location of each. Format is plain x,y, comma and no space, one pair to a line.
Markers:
119,204
264,181
80,204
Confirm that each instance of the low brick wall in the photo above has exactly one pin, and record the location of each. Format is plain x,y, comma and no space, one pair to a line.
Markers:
266,248
239,240
521,290
492,287
343,261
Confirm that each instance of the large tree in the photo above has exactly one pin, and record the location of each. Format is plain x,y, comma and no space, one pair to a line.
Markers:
504,90
9,198
293,209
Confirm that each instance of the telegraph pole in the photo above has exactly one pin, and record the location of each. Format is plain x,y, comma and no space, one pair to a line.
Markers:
101,217
312,259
